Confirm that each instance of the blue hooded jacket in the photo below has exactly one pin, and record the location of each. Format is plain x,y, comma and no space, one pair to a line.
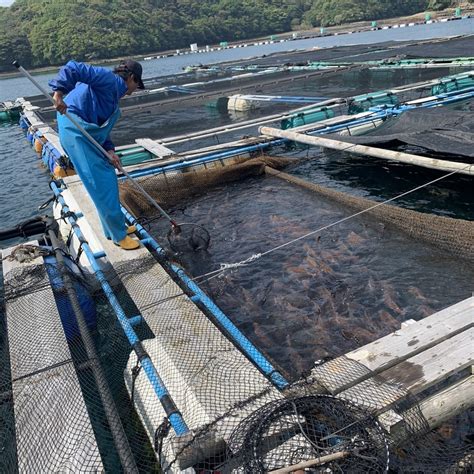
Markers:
93,93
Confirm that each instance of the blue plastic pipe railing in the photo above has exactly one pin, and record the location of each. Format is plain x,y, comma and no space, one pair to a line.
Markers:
222,321
175,418
238,151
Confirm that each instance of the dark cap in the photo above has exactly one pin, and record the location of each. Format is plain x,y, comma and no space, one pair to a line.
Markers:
136,69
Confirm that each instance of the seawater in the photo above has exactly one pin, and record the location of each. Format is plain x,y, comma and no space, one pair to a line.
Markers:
23,179
323,295
20,87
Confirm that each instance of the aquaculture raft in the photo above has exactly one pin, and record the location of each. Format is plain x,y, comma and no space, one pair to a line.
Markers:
195,392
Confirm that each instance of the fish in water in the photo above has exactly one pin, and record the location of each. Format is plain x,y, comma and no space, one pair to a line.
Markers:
389,297
354,240
357,334
387,322
264,295
262,335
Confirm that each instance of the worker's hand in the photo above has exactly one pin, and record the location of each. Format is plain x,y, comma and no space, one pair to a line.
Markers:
115,160
59,104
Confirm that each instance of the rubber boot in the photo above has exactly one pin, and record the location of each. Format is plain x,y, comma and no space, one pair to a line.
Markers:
128,243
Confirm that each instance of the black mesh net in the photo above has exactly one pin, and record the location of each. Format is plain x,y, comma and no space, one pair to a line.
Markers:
323,433
188,237
55,416
436,131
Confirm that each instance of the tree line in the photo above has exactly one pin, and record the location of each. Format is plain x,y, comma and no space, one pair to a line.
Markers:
50,32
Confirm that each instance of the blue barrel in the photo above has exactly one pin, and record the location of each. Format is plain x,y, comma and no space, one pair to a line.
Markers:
310,116
68,319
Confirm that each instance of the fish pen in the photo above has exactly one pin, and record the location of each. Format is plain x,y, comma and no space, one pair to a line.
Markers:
325,327
318,297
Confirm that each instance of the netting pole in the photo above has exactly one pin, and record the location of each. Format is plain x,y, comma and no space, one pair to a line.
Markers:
116,429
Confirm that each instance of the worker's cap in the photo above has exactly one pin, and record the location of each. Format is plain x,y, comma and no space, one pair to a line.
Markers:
136,69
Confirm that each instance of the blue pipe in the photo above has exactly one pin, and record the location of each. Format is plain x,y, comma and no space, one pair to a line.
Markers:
205,159
199,296
159,387
247,347
447,98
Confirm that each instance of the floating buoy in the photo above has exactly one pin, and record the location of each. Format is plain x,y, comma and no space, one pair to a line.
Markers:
38,145
60,172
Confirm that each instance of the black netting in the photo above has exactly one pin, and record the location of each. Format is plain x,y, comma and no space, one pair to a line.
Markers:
437,130
438,48
170,189
54,415
323,433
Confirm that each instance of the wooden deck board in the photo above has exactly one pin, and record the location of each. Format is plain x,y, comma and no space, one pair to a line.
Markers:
415,374
155,148
358,365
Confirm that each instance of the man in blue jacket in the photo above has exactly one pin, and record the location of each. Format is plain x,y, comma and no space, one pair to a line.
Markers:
91,94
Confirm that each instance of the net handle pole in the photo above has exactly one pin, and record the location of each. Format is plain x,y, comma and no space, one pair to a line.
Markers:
311,463
25,73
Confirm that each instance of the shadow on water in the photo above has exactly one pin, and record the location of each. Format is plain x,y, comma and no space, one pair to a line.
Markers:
324,295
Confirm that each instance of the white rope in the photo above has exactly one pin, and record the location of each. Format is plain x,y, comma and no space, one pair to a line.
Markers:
226,266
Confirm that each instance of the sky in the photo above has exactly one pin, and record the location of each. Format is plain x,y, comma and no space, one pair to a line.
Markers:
6,3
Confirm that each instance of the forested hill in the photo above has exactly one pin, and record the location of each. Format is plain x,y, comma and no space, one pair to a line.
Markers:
44,32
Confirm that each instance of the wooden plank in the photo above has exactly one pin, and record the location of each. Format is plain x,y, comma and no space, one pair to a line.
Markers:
416,374
92,227
448,403
411,339
414,338
65,227
440,407
154,147
52,424
425,369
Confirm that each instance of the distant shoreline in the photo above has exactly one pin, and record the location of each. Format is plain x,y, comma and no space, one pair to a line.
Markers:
302,34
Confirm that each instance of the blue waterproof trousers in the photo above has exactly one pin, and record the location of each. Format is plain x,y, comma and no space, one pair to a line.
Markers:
96,173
